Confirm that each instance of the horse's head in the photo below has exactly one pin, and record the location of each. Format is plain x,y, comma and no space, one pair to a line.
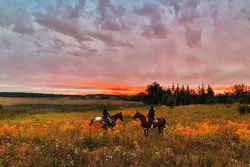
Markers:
120,116
137,115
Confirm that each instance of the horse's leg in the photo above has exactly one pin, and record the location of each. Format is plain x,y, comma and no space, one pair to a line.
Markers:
105,132
91,122
105,129
145,131
160,130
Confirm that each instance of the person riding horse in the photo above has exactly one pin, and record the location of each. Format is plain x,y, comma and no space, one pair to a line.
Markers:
106,115
151,116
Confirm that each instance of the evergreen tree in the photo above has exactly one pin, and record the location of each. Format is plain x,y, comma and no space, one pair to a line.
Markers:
209,98
198,96
177,90
177,94
193,95
188,97
168,91
210,91
182,96
173,89
203,94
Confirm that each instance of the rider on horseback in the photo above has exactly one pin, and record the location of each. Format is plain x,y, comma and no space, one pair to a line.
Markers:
106,115
151,116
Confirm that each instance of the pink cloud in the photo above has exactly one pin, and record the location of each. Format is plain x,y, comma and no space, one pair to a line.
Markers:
187,42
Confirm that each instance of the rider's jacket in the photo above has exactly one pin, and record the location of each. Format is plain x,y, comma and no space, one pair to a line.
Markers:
105,113
151,113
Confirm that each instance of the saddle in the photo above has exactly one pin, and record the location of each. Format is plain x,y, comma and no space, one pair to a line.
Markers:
154,121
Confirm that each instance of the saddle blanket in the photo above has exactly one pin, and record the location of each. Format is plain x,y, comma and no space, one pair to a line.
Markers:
155,120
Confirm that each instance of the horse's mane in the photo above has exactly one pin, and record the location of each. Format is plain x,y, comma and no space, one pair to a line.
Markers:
115,115
141,114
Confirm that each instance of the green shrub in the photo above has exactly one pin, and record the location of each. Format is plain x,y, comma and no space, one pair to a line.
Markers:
243,109
168,100
244,98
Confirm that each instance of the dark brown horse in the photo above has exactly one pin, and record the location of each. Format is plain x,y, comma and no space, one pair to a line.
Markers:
104,123
158,122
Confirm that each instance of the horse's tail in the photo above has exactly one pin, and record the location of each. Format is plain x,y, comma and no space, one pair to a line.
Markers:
164,122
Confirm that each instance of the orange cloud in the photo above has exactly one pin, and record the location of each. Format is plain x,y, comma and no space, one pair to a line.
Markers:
102,87
93,87
223,88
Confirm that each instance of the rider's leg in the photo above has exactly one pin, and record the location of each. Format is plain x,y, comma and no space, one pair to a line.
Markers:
106,119
151,123
109,120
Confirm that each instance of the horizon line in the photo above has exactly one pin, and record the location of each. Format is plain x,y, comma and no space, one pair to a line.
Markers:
217,90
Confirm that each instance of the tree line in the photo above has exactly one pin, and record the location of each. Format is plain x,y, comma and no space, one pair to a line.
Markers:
184,95
55,96
31,95
170,96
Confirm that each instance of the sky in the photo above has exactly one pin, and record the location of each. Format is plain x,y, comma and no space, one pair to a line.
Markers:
121,46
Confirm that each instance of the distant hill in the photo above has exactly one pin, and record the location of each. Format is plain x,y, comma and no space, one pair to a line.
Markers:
54,96
29,95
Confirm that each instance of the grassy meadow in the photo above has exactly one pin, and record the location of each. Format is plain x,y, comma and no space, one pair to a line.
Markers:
44,132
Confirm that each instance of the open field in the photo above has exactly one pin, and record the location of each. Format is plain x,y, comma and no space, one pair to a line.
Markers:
59,135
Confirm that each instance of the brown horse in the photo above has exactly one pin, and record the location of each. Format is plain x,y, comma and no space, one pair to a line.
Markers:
158,122
104,123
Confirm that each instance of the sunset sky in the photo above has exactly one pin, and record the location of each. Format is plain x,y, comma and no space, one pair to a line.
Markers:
120,46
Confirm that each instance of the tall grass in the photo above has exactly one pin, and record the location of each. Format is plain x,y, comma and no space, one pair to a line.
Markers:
74,144
214,135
